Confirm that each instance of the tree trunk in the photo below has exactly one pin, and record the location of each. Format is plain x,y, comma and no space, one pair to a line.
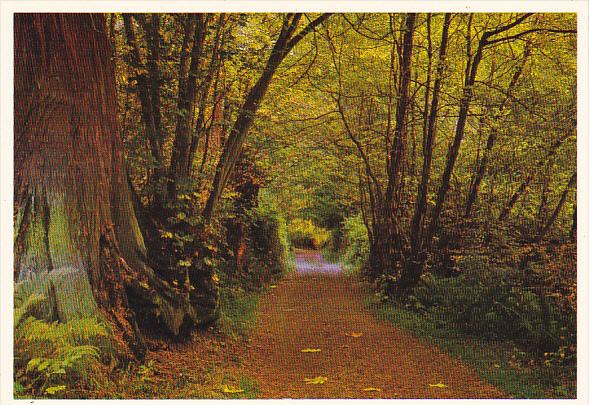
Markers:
420,207
418,257
558,208
523,187
180,163
470,76
454,147
77,240
144,88
400,133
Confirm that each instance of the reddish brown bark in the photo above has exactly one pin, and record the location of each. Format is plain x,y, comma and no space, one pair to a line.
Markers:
78,241
69,168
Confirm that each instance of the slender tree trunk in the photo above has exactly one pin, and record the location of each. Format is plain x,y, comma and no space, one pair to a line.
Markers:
558,208
214,66
482,167
523,187
417,260
400,131
180,163
454,147
148,115
470,76
428,144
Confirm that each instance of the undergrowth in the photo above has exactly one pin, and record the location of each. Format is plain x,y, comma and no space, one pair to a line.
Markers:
501,363
53,359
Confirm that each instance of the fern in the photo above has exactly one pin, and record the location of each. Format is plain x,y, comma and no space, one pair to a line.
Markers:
51,357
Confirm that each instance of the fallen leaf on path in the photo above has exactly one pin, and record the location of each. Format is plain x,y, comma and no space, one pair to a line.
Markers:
310,350
316,380
438,385
354,334
273,286
371,389
230,390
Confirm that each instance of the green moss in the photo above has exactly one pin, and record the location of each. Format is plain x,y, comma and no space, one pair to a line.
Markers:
64,250
35,256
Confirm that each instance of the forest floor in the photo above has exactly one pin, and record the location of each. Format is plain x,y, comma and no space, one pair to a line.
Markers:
314,307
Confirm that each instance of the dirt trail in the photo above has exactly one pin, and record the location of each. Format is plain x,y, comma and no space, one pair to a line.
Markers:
319,308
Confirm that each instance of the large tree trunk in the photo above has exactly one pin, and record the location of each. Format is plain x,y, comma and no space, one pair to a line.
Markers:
77,240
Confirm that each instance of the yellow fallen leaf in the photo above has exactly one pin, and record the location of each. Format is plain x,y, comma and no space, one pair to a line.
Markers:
215,278
438,385
496,365
310,350
354,334
273,286
371,389
230,390
316,380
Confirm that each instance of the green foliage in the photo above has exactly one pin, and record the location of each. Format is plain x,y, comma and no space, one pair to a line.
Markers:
305,234
355,245
504,307
52,358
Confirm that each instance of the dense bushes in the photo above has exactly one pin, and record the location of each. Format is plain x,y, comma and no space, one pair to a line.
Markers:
496,304
305,234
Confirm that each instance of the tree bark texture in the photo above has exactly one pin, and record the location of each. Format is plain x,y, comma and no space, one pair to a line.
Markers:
77,239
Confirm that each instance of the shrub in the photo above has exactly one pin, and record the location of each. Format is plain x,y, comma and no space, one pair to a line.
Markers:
355,245
305,234
268,245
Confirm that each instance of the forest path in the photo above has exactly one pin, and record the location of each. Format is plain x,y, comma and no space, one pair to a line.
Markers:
317,307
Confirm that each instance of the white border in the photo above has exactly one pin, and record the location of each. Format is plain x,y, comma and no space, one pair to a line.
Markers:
6,144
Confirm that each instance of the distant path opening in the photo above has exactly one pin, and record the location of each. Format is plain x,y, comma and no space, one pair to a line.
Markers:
312,261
